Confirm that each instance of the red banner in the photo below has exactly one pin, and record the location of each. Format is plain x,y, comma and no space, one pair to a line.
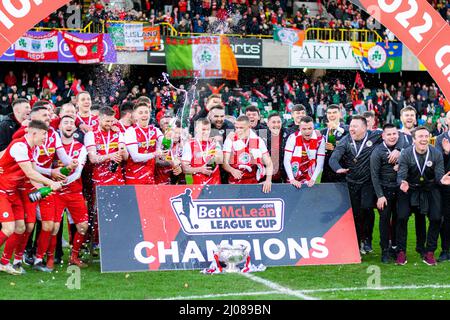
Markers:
19,16
420,27
85,51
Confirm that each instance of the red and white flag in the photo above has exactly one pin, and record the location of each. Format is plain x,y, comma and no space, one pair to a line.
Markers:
49,84
76,86
85,51
37,48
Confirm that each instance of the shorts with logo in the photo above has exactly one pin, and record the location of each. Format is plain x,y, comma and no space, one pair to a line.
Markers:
11,207
76,204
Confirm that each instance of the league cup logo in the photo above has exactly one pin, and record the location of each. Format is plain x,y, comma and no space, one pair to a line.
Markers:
228,216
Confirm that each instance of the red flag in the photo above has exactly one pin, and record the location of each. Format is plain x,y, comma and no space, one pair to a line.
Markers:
76,86
85,51
358,81
49,84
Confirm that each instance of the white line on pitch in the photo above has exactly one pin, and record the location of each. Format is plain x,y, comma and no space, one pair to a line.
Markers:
210,296
277,287
412,287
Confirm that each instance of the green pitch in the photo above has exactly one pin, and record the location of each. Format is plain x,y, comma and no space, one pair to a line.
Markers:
413,281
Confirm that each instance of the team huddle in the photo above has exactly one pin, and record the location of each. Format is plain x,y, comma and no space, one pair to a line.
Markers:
52,163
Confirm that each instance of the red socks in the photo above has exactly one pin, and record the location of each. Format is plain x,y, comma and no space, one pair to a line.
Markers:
21,245
3,238
78,240
43,243
52,246
11,244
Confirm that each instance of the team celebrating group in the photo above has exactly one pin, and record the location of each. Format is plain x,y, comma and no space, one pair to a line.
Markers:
52,162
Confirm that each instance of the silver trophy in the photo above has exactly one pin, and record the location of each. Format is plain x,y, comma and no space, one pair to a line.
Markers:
231,256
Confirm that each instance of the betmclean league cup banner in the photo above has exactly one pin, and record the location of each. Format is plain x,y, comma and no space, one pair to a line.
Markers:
37,46
292,37
178,227
378,57
19,16
323,55
85,51
134,36
420,28
200,57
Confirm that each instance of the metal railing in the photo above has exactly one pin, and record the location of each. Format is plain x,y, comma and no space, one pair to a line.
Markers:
329,34
167,29
86,29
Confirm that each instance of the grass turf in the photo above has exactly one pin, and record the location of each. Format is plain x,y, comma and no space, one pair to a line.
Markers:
169,284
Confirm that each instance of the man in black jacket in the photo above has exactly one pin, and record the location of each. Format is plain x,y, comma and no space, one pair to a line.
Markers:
421,171
13,121
443,145
333,133
353,152
276,141
298,112
384,180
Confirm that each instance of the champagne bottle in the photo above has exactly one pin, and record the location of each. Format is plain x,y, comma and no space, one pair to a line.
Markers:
166,143
331,137
65,171
39,194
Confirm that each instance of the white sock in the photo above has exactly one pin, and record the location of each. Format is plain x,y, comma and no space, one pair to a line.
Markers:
16,261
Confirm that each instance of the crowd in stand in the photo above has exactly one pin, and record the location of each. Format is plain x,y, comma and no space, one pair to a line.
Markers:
232,16
265,92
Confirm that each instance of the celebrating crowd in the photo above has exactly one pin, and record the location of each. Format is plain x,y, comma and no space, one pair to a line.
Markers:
73,148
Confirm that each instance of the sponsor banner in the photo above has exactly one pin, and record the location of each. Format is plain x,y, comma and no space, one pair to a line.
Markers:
134,36
109,52
37,46
178,227
17,17
323,55
420,28
247,51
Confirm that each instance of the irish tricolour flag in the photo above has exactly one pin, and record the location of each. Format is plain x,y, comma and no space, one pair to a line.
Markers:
200,57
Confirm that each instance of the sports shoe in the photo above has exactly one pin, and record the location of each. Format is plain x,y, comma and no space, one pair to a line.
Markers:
77,262
361,249
444,256
393,252
368,246
401,259
385,256
429,259
50,263
421,251
18,267
28,259
8,268
41,267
